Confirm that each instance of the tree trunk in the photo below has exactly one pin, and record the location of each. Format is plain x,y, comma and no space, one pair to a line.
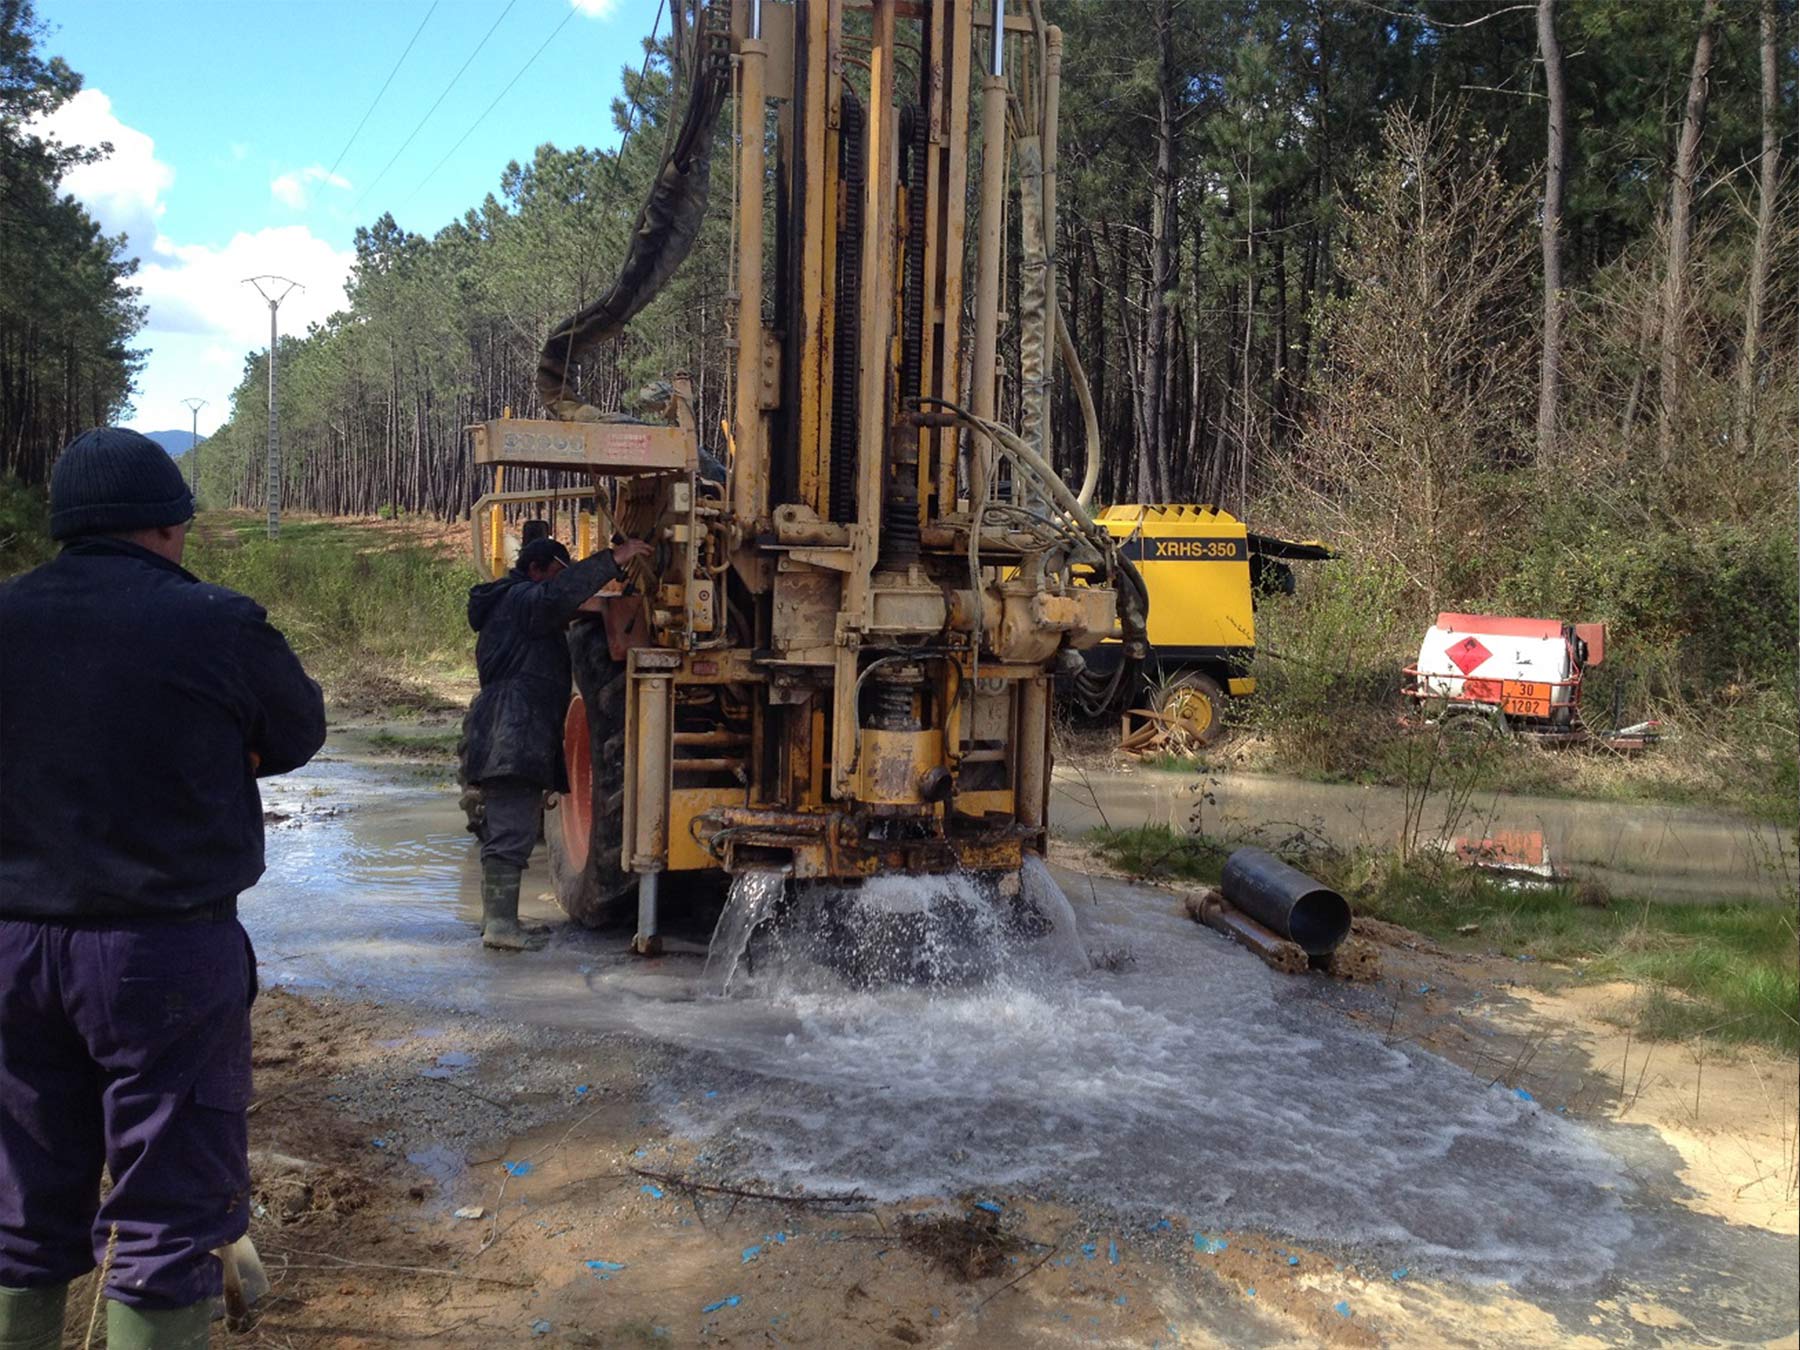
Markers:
1744,420
1681,234
1162,250
1555,165
1247,424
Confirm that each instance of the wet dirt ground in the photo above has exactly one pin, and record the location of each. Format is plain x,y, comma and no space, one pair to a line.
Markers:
1176,1147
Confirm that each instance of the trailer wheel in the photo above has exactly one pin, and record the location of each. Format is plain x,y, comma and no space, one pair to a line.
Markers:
1194,705
588,835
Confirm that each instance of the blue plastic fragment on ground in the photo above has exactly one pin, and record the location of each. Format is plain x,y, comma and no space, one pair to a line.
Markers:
1161,1225
582,1089
991,1206
540,1327
1205,1242
1120,1300
1401,1272
1424,989
517,1169
1293,1260
1089,1250
779,1239
654,1192
933,1312
713,1093
730,1302
378,1143
1523,1095
1341,1308
1562,1110
1112,1252
1249,1293
751,1253
604,1268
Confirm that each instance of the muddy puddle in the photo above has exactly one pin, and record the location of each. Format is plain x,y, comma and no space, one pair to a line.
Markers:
1175,1081
1639,849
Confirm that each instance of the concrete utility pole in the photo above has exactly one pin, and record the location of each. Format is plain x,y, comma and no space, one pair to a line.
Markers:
194,405
273,483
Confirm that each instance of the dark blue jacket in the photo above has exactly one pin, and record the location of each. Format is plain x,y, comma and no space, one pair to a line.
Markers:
132,697
515,725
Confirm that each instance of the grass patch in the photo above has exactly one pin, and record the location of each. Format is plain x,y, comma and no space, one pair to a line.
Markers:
1728,971
433,745
1157,852
351,601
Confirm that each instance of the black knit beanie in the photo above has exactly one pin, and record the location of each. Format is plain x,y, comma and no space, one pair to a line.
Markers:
540,552
112,481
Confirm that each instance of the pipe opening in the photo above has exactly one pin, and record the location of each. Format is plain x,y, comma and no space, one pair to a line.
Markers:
1319,922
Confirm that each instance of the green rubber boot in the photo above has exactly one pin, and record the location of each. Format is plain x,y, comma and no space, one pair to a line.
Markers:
500,907
32,1319
187,1328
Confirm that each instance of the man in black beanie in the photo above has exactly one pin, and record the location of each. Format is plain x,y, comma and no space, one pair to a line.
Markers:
138,706
514,727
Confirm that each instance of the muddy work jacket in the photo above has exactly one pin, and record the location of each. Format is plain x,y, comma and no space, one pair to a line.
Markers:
514,728
138,707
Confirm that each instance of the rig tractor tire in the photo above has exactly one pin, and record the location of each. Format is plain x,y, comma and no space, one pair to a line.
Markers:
1195,706
587,832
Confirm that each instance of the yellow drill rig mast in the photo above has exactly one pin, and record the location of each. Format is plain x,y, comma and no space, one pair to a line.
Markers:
842,656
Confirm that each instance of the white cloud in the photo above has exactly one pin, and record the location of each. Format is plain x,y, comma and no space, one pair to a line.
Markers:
197,288
123,191
596,9
292,188
202,319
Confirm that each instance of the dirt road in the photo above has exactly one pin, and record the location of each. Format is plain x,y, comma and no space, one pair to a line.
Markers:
1174,1148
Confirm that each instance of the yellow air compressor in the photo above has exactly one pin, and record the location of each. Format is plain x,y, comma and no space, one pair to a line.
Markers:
1203,570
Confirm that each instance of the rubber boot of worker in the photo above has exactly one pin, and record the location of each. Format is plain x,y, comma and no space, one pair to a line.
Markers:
500,906
186,1328
32,1319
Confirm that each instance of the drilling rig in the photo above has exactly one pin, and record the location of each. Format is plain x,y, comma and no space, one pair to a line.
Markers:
839,661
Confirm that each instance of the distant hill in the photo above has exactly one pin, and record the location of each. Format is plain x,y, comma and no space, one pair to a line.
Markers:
177,443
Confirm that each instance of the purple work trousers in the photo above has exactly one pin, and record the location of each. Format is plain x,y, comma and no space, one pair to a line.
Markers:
124,1044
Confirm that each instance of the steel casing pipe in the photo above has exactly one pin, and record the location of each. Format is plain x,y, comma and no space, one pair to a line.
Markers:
1312,916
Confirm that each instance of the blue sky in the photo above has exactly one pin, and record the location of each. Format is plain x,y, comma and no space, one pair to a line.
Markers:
226,120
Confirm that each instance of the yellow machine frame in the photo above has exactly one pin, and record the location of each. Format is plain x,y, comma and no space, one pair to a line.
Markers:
846,665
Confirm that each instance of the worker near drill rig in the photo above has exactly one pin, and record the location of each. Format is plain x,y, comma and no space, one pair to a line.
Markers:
514,728
138,707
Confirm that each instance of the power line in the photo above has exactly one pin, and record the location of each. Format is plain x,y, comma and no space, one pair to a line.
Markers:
384,88
643,71
490,107
434,107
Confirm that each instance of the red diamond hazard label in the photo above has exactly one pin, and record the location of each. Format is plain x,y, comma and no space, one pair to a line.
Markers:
1468,654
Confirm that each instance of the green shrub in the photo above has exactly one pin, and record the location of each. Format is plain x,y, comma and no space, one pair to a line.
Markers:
24,526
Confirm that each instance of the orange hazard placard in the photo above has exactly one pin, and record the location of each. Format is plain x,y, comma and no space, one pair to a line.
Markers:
1525,698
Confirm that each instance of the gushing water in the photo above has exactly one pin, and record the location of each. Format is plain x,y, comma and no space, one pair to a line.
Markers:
753,899
944,931
1039,890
